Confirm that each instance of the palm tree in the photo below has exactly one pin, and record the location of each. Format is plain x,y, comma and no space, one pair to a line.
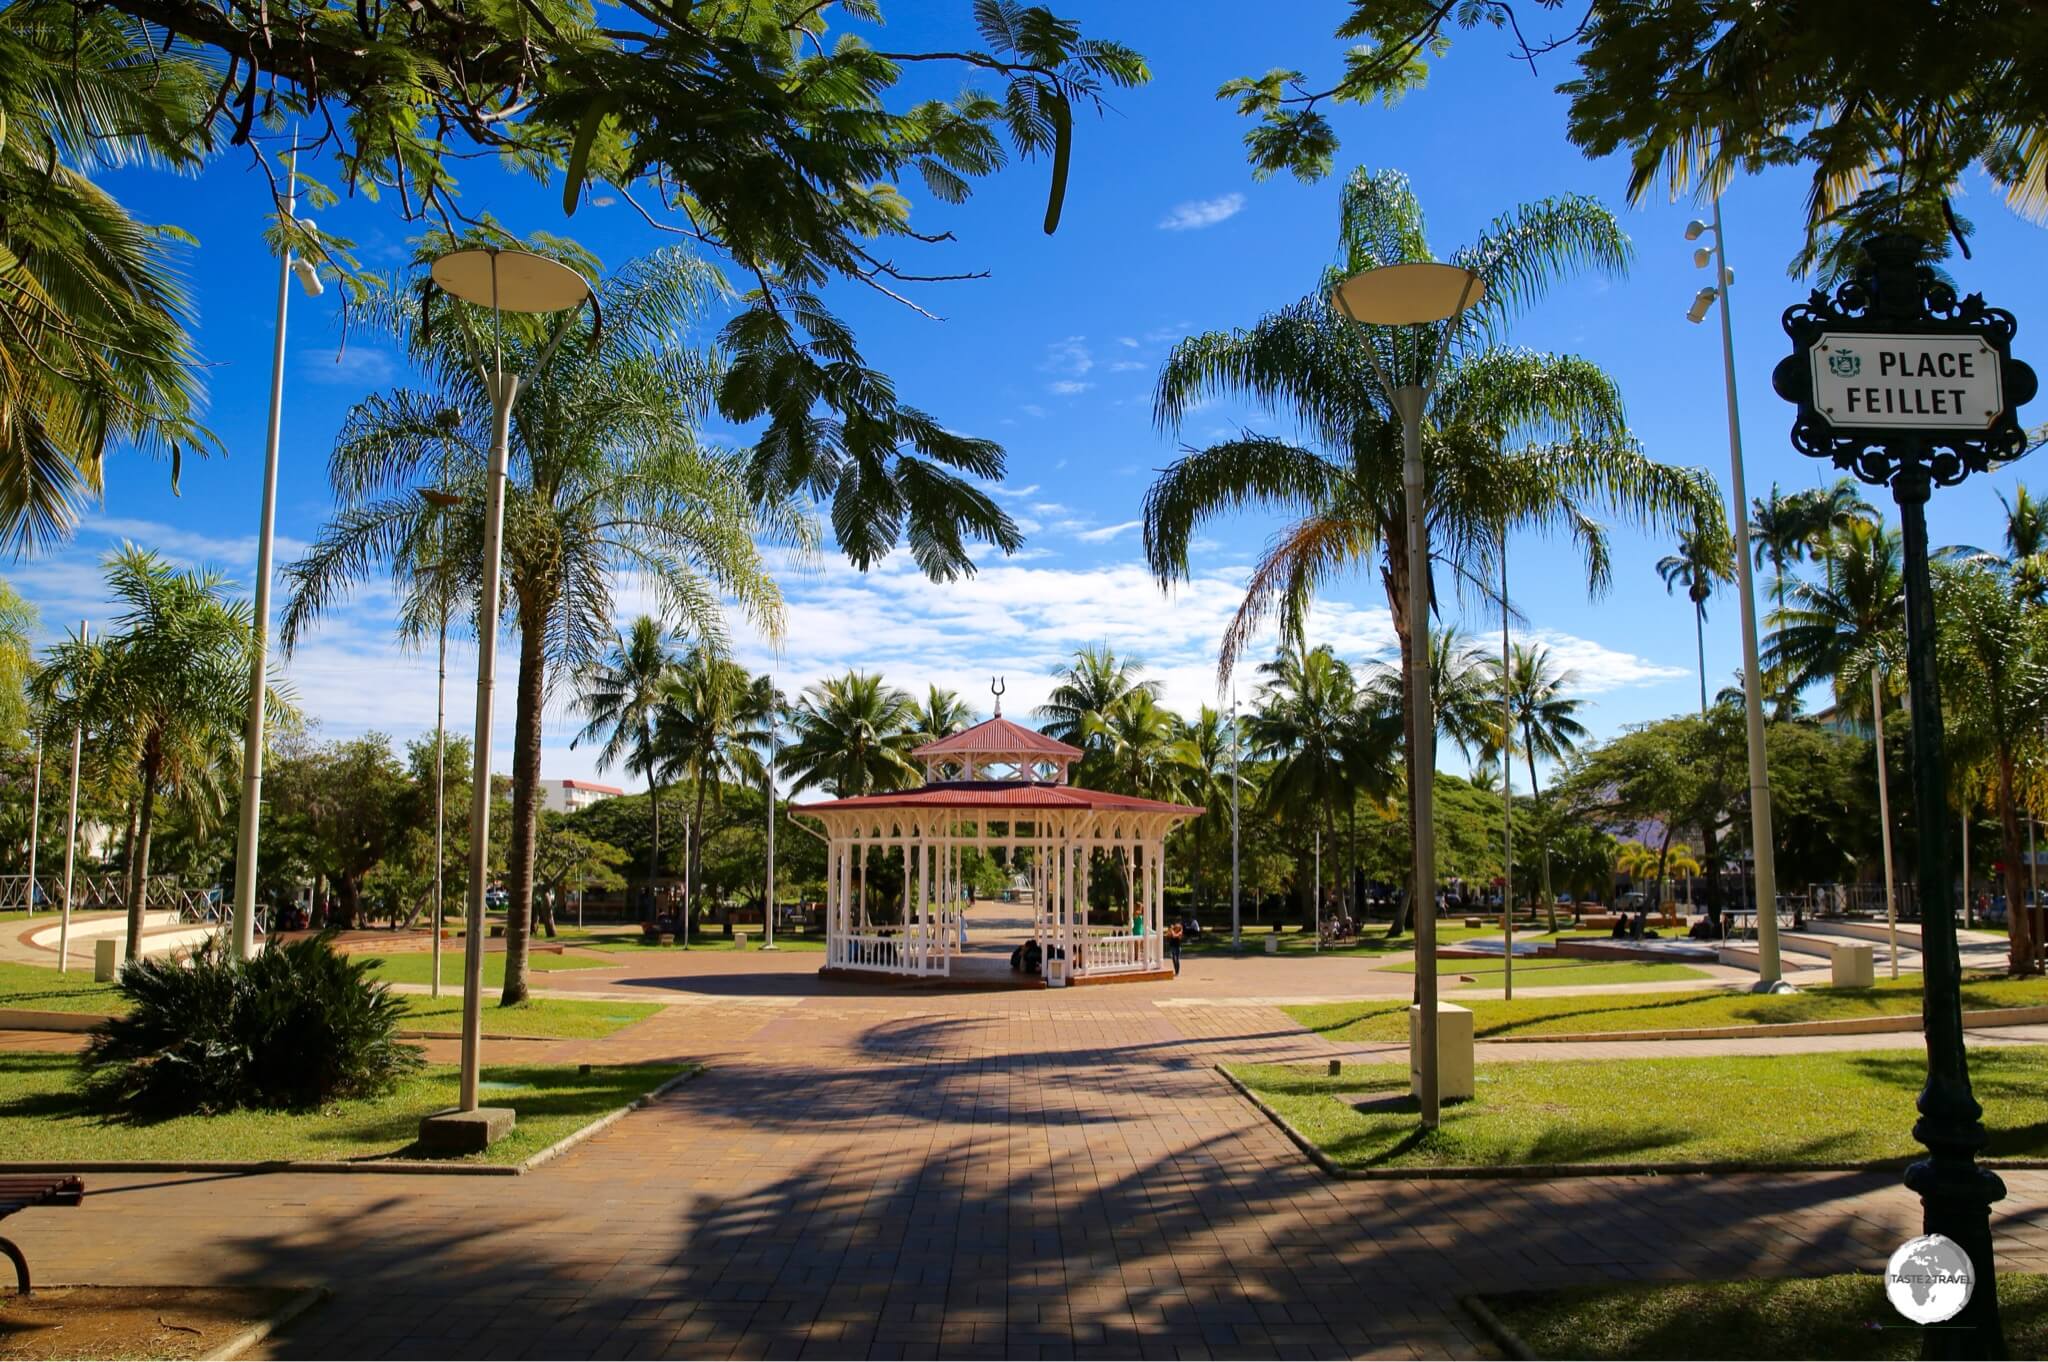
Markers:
1846,630
93,315
942,714
1210,775
1546,719
1306,721
607,479
1140,746
1513,439
164,694
620,697
1679,861
854,734
1706,555
1465,688
705,733
1994,682
2026,542
1095,682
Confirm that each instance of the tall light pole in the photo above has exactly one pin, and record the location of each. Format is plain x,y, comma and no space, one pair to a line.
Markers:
768,785
1884,818
242,940
503,281
442,502
1507,786
1236,923
71,830
1770,977
1417,294
35,823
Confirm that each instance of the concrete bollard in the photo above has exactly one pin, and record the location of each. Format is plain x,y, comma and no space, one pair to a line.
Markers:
1453,1051
1855,966
1272,945
106,959
739,940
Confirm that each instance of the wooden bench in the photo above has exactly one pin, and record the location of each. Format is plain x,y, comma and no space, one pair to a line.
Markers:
20,1191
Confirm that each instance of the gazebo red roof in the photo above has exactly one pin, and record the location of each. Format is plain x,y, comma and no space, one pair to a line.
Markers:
999,794
998,736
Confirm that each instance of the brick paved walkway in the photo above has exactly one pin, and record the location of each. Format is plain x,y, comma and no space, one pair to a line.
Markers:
1005,1174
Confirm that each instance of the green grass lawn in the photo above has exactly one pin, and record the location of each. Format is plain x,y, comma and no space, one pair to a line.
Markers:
45,990
1813,1108
418,967
42,1116
1383,1019
1556,973
1372,941
1819,1317
564,1018
712,940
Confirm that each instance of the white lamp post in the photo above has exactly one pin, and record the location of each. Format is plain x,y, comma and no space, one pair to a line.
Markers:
1770,978
242,940
441,502
35,824
1417,294
504,281
768,785
1507,788
70,835
1236,939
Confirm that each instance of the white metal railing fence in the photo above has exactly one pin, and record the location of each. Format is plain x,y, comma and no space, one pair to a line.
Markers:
891,951
1119,953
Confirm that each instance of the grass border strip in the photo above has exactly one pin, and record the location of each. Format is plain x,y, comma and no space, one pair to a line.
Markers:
1881,1024
610,1118
264,1328
426,1166
1467,1172
1510,1342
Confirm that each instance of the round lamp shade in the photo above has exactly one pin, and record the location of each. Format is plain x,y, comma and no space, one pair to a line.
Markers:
1400,295
512,281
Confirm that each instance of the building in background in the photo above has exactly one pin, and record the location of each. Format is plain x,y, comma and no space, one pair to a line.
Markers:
567,796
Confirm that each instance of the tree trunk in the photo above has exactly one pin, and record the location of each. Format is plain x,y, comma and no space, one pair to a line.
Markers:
654,846
138,861
695,876
2020,959
526,719
1536,801
1699,630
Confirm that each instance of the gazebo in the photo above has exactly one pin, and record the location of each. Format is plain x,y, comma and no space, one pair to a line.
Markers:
896,886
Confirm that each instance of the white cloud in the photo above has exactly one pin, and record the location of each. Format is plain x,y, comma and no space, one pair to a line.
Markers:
1070,357
1199,213
1104,533
1128,366
1032,409
1068,387
1129,342
353,366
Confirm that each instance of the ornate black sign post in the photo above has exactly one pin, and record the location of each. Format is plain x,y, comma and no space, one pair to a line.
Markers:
1902,384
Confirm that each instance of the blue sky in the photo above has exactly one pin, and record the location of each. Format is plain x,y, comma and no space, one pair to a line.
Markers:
1165,233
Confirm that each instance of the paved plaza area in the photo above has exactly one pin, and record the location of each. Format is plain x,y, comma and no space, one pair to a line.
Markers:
900,1173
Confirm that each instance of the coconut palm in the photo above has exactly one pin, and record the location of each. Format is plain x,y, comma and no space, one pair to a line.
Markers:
854,734
608,481
1139,748
163,694
1680,862
1993,649
1306,722
620,697
1466,693
1545,718
1211,775
1706,555
93,316
705,732
2026,543
1095,682
942,714
1512,439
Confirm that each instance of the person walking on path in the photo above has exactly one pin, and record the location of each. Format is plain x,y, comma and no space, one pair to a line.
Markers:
1173,935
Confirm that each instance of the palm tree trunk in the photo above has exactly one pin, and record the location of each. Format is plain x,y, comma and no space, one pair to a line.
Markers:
654,844
525,829
695,851
2020,959
1536,800
1699,629
138,858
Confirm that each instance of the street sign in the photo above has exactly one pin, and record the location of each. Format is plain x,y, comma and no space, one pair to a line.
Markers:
1907,382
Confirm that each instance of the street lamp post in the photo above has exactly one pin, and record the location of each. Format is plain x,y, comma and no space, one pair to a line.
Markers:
442,502
1236,939
1507,788
35,824
242,939
71,832
1894,306
1416,295
503,281
768,784
1763,852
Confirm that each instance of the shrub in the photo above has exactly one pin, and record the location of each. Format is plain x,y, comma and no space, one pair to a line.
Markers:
297,1026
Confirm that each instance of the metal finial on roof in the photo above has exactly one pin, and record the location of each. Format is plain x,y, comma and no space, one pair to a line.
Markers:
997,687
